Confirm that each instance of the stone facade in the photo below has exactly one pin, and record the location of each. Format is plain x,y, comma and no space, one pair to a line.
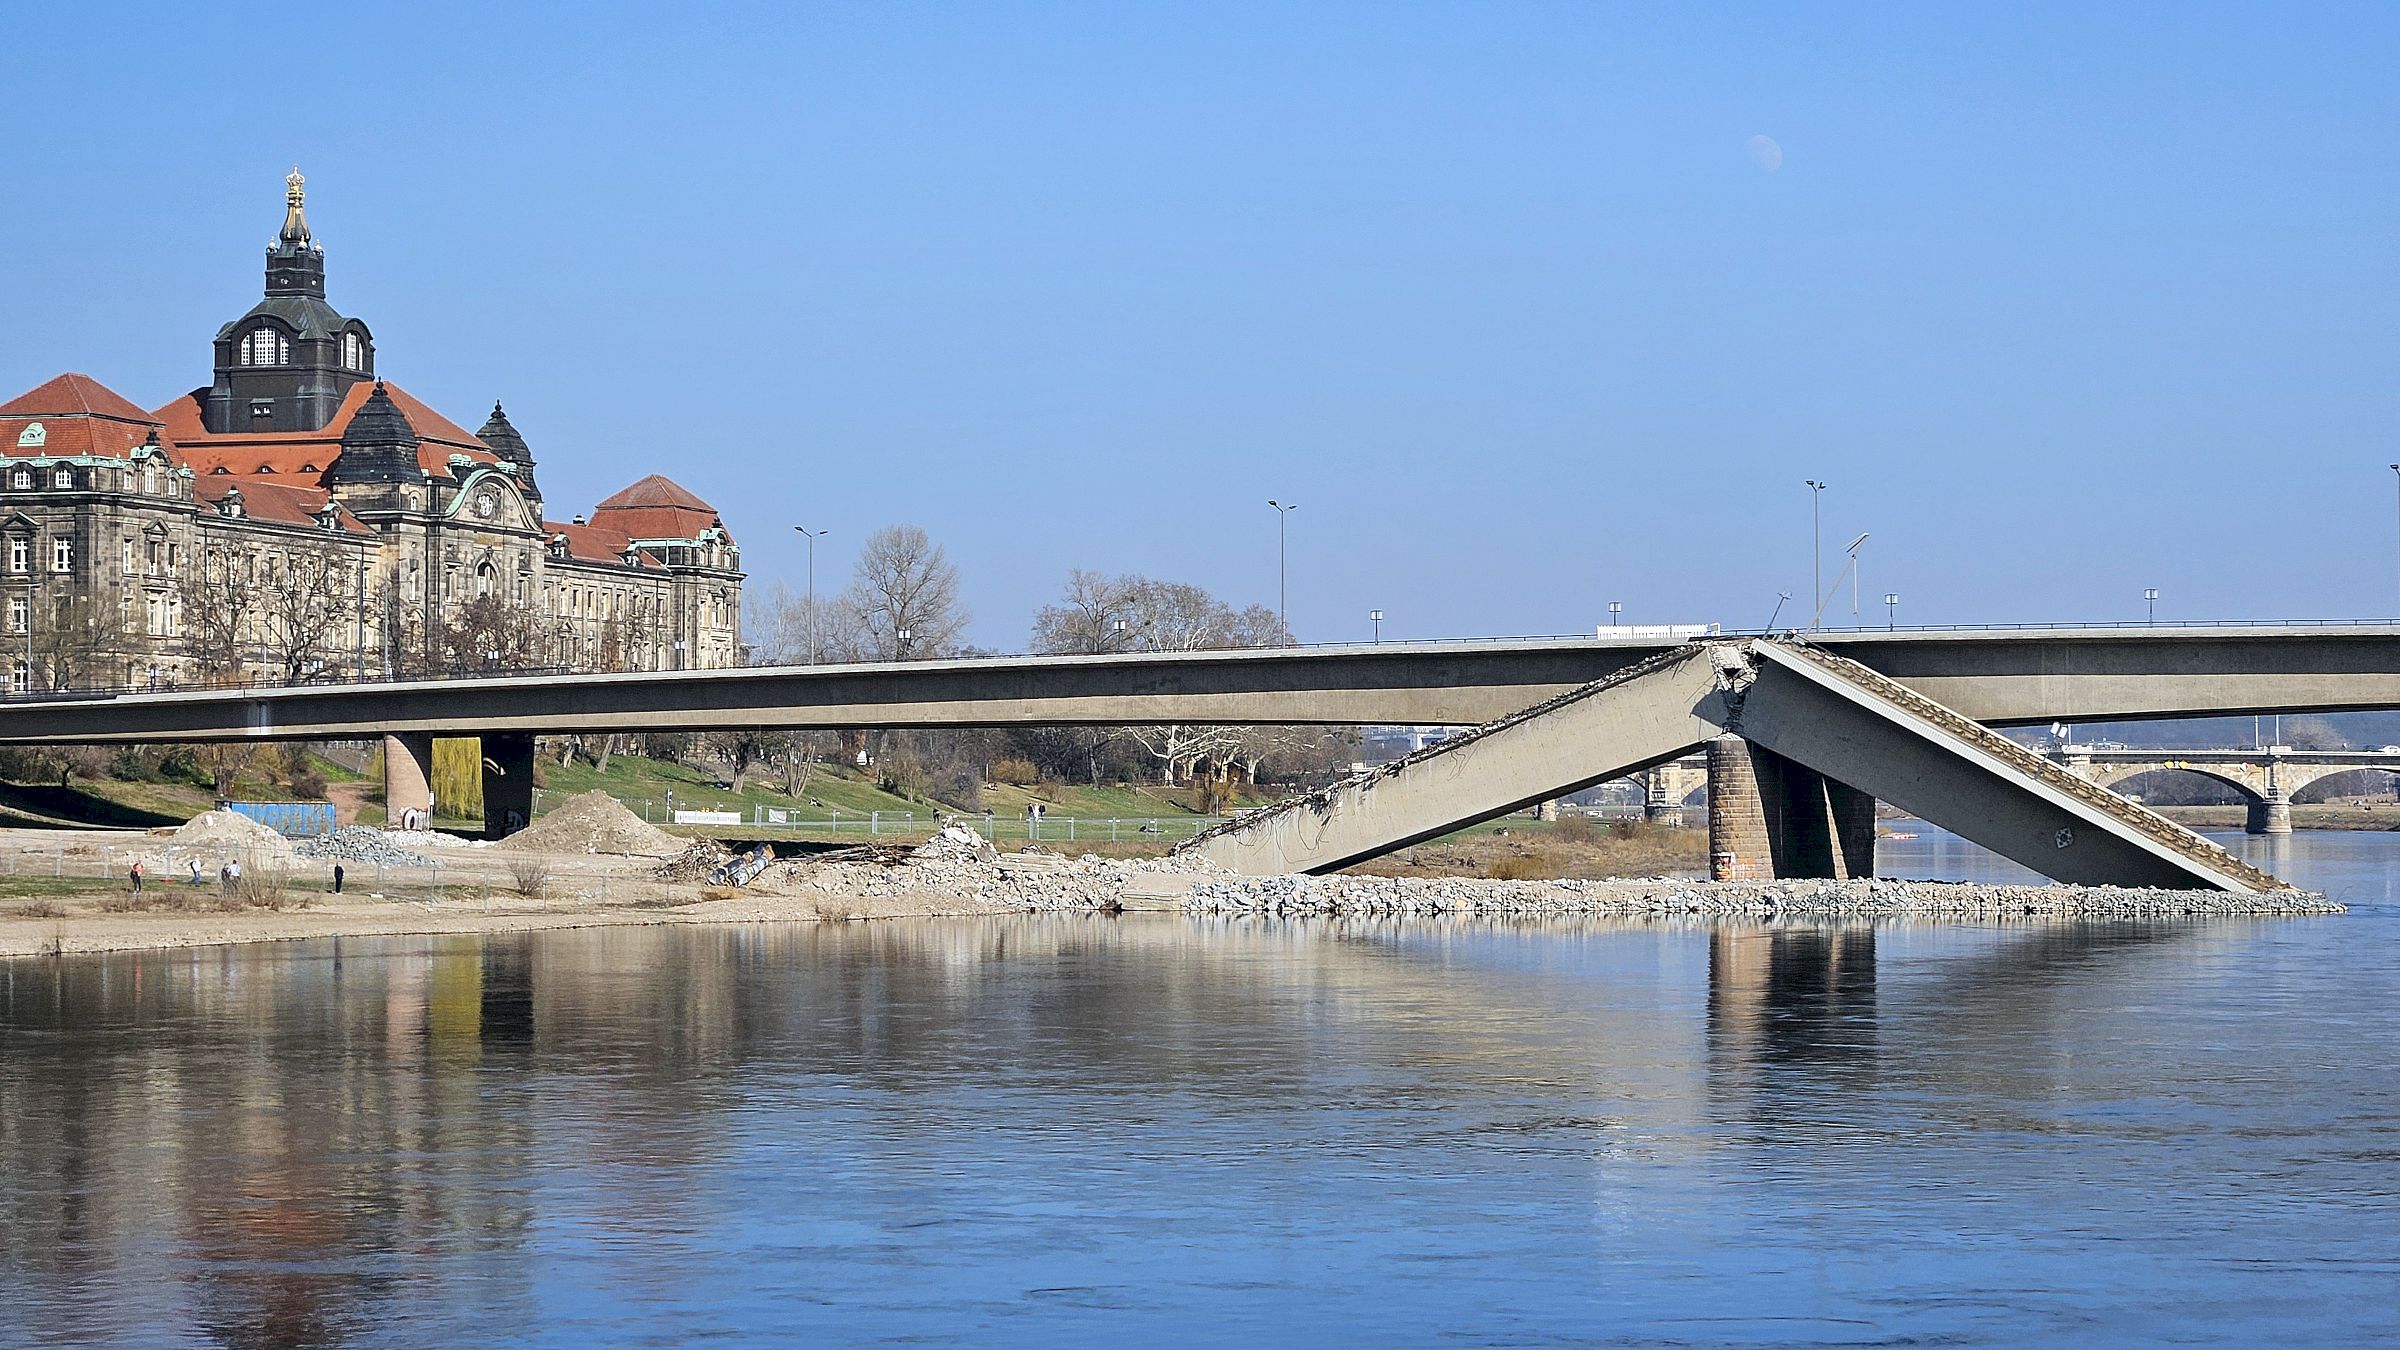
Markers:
300,518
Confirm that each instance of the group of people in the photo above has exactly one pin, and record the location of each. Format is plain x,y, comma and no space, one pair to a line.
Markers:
229,875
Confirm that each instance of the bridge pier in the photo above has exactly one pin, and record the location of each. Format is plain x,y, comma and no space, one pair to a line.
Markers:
507,783
2271,814
1770,818
407,778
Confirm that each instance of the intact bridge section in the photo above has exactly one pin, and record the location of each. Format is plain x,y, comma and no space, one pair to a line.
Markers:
2266,778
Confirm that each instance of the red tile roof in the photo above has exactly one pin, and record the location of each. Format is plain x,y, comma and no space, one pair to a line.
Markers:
288,453
657,490
596,543
281,503
72,394
79,416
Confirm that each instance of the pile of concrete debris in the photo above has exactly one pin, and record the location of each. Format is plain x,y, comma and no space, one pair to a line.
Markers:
960,864
362,844
231,835
698,859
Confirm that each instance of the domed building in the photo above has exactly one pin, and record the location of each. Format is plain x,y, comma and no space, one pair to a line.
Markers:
299,517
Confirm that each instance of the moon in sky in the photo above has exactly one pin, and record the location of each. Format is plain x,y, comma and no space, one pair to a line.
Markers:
1764,152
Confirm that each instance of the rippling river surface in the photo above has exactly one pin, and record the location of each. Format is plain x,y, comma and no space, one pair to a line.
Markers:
1065,1131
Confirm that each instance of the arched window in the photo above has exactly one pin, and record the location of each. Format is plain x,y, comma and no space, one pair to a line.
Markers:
265,347
485,578
62,477
354,352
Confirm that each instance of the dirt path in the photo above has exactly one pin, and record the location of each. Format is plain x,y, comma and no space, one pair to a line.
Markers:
345,798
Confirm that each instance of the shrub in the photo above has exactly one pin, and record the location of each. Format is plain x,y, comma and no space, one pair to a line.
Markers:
530,876
43,909
1574,828
124,902
308,785
1015,772
1526,867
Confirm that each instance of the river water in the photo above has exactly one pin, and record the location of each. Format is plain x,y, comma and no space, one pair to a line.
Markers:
1070,1131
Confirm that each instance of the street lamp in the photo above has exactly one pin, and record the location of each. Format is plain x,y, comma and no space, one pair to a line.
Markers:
1891,605
1780,598
1816,549
1615,608
812,536
2150,596
2396,482
1375,616
1283,619
900,645
1852,549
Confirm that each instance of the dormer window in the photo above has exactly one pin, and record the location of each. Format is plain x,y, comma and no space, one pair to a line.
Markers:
266,347
354,352
62,477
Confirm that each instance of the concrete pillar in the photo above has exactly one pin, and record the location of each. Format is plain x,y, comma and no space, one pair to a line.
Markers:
407,777
1770,818
2271,814
507,783
1546,810
1662,804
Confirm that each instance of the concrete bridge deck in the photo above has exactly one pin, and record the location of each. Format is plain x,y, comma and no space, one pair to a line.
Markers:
1999,677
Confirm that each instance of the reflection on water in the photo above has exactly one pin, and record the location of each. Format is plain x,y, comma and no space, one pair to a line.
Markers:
1084,1131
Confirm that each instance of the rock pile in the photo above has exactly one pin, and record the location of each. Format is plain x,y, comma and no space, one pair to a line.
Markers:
594,822
960,864
362,844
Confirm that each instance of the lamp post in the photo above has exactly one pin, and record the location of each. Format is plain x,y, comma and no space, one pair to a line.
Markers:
1852,549
1891,606
1615,608
1780,598
812,536
1283,619
2150,597
1375,616
2396,485
1816,548
900,645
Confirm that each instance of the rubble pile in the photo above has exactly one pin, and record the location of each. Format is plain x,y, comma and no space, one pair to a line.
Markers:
961,864
693,864
594,822
364,844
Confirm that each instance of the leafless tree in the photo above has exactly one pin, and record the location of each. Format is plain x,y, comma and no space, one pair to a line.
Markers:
221,604
903,584
305,602
74,641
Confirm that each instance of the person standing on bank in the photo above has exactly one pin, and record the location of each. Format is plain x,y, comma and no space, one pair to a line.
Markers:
137,878
337,878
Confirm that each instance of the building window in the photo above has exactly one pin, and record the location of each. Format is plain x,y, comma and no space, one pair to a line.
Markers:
19,614
20,678
354,352
62,477
22,480
265,347
20,553
150,480
261,408
129,555
62,554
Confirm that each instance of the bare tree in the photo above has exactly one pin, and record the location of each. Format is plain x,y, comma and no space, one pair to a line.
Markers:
221,605
304,606
903,584
74,643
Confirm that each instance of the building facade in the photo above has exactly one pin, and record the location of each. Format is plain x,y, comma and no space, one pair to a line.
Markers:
300,518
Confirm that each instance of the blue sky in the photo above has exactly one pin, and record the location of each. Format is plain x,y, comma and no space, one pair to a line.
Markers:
2063,304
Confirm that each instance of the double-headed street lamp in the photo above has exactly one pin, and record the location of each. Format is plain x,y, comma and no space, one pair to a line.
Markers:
1816,549
1891,606
1615,608
1283,618
1375,616
2150,597
812,536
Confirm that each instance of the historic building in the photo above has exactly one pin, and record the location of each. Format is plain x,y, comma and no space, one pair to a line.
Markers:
301,518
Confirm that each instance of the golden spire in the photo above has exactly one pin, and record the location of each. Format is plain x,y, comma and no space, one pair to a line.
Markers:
295,223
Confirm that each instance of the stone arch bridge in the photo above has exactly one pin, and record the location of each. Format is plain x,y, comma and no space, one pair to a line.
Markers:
2267,778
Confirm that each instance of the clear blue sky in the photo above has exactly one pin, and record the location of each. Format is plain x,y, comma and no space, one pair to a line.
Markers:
1504,295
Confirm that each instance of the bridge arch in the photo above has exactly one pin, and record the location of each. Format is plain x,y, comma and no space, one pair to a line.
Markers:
2364,774
2118,777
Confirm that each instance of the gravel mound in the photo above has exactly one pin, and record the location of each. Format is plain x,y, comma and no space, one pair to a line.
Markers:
234,835
361,844
595,822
